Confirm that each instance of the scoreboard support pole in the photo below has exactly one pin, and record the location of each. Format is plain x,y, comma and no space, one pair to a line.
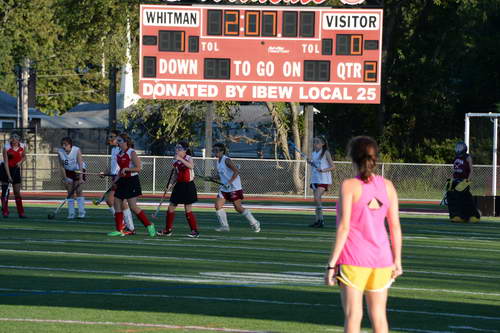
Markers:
308,136
209,118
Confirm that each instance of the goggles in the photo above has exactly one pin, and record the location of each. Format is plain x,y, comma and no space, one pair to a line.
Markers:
180,147
120,141
15,137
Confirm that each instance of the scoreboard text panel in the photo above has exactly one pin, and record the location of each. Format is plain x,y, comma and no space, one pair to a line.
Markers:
260,53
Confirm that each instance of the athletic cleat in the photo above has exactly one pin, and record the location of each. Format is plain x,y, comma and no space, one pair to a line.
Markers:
194,234
128,232
165,232
151,230
81,216
474,219
222,229
116,234
457,219
255,227
23,217
71,216
317,224
5,216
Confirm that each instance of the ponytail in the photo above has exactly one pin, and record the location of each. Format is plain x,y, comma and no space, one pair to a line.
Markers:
363,151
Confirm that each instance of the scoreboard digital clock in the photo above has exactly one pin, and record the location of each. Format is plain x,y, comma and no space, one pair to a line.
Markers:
260,53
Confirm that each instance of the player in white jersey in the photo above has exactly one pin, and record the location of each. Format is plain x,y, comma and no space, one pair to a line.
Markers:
230,191
110,198
71,161
321,176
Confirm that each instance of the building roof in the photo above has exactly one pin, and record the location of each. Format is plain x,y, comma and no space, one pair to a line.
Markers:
8,108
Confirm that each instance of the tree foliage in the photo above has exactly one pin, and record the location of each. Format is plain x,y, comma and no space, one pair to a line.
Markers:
440,61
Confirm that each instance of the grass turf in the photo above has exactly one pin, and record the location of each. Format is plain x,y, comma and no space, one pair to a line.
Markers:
71,277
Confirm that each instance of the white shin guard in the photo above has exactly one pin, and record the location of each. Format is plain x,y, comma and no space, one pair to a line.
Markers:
71,207
222,217
319,213
248,215
129,221
81,204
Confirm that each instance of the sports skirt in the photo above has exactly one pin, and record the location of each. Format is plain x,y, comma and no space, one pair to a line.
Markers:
184,193
128,187
15,173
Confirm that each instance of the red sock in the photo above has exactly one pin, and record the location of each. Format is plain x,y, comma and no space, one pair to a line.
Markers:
5,206
19,205
192,221
144,219
120,225
170,220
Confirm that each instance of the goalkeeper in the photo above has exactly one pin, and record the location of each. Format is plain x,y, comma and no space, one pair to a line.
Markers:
460,202
230,191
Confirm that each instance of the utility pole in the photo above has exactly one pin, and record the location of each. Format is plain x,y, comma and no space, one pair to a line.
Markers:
209,118
112,97
24,93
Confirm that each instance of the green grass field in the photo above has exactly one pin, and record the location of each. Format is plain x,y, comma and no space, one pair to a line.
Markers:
68,276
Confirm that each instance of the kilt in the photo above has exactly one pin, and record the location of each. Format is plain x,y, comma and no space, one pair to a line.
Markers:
128,187
184,193
15,173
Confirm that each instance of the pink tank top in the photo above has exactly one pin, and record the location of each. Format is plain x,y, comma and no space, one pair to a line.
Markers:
368,243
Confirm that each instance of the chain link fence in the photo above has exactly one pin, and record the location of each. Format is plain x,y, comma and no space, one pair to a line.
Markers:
260,177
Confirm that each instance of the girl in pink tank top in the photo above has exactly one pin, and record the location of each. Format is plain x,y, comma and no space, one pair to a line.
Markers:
365,259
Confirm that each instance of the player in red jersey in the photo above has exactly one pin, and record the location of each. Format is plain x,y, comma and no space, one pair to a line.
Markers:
184,191
128,186
14,155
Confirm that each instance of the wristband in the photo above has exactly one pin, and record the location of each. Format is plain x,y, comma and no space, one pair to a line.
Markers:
330,267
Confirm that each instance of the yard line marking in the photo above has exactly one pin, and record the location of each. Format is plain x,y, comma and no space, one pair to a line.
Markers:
110,323
418,330
469,328
264,301
238,278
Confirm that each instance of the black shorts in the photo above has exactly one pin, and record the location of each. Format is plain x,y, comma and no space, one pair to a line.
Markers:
74,176
184,193
15,173
128,187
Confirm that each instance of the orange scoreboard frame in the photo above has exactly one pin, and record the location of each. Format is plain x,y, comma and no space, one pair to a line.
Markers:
260,53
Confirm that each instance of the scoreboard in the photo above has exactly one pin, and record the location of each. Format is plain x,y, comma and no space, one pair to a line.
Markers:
260,53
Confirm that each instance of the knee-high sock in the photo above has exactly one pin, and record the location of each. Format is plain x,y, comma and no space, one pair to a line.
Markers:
5,199
248,215
143,218
112,210
129,221
81,204
71,206
222,217
192,221
319,213
19,206
169,223
119,221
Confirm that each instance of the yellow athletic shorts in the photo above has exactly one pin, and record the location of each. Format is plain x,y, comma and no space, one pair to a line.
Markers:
365,278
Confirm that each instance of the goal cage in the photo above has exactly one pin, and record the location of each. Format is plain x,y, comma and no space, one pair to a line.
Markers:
481,137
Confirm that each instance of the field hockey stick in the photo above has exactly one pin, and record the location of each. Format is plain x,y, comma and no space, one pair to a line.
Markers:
294,147
209,179
155,214
53,214
103,196
78,172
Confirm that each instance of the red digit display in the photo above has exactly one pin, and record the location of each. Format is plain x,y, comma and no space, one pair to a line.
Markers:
260,53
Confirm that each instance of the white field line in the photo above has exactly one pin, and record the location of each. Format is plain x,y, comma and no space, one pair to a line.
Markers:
416,330
160,243
278,207
110,323
470,328
264,301
238,278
